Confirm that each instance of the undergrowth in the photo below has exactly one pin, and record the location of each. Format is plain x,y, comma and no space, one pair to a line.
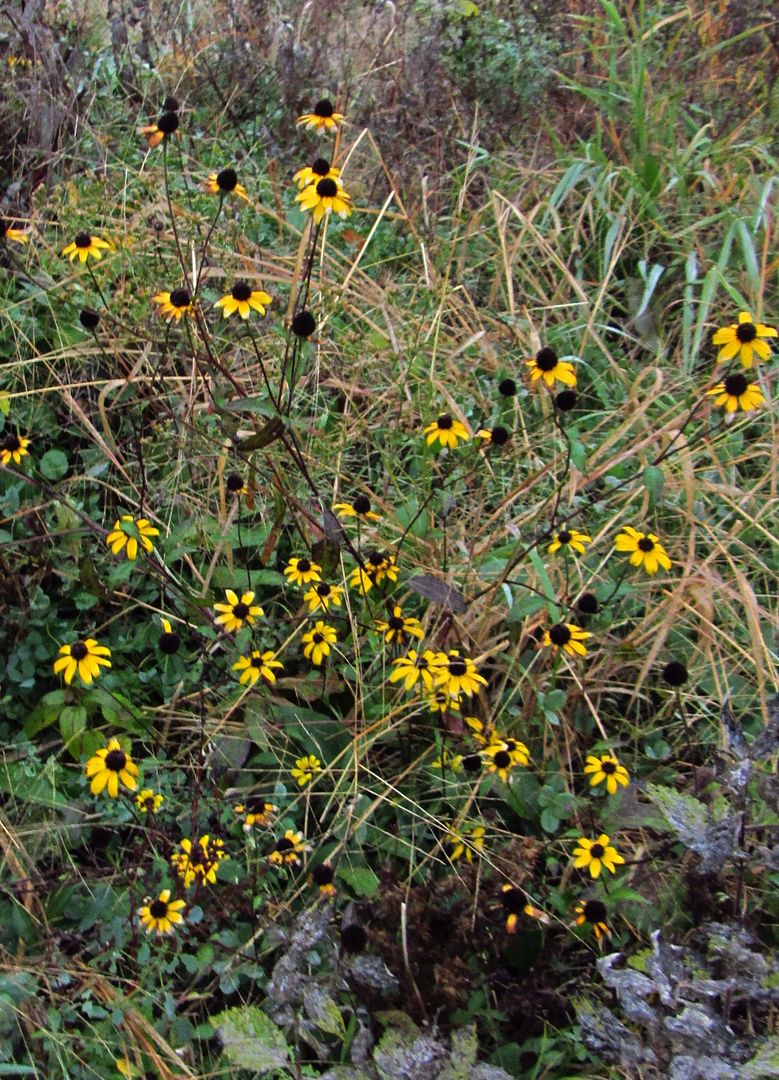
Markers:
388,549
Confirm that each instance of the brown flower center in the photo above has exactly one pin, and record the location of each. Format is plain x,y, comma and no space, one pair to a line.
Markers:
79,650
597,851
559,634
11,443
321,167
444,422
83,240
115,760
746,332
180,298
240,611
735,385
457,667
595,911
324,108
327,188
646,545
158,909
546,359
241,290
227,180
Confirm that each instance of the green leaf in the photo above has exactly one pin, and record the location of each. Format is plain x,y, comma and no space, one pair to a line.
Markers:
360,879
54,464
653,482
250,1040
73,720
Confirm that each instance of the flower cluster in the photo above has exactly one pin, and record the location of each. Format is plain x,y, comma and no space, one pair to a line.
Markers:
199,861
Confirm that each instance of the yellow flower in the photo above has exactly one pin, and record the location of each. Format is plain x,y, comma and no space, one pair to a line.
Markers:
457,674
447,762
484,734
466,842
595,854
322,118
256,812
237,612
128,533
317,642
568,637
497,436
85,245
174,305
594,913
443,702
13,448
243,299
306,768
85,657
321,595
501,757
376,567
166,125
148,801
515,904
108,767
199,861
323,875
607,768
288,849
446,431
321,169
168,640
302,571
257,664
734,392
743,339
360,508
325,197
644,548
160,916
397,629
225,183
569,538
546,366
413,667
8,231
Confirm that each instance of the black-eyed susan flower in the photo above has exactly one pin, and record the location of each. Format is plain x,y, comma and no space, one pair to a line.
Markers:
289,849
199,861
507,387
108,767
442,702
323,876
568,637
484,734
13,448
303,323
569,540
174,305
594,855
467,840
472,763
325,197
606,769
745,340
566,400
501,757
645,549
446,762
128,533
225,182
588,604
168,641
243,299
457,674
360,508
515,903
86,246
167,125
546,365
321,169
306,769
399,629
445,430
162,915
89,318
302,571
675,673
593,912
322,117
236,612
257,665
324,596
83,657
377,566
235,485
256,812
149,801
416,667
318,642
8,231
496,436
734,392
